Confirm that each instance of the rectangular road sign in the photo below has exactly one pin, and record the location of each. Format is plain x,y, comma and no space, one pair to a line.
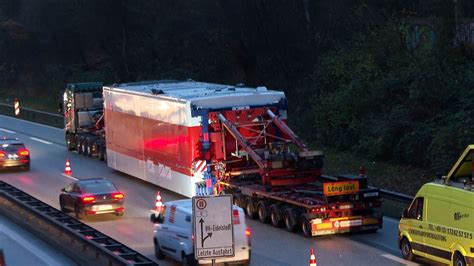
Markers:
213,227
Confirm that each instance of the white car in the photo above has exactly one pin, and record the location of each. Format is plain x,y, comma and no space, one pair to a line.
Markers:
173,236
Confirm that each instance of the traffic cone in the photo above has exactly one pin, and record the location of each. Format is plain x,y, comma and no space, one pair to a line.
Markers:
68,170
312,258
158,203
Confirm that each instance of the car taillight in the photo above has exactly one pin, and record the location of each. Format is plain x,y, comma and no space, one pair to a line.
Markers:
235,216
2,154
248,232
118,196
24,152
88,199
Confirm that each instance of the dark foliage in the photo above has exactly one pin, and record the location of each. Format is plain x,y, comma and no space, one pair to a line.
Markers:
388,79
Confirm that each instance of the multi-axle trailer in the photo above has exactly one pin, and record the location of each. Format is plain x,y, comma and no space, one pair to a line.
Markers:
198,138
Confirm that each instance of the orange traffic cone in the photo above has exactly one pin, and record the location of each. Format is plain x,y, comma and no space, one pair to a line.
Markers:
158,203
312,258
68,170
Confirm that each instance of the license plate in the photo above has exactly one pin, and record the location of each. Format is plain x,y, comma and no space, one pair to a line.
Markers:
13,157
104,207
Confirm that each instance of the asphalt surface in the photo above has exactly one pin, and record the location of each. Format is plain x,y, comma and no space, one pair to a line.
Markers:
270,246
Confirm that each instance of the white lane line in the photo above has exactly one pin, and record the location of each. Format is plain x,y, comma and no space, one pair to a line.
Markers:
41,140
8,131
71,177
400,260
49,260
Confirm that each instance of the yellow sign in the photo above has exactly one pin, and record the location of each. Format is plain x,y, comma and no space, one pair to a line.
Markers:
341,188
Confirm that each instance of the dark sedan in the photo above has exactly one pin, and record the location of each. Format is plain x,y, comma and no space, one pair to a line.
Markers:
92,196
13,153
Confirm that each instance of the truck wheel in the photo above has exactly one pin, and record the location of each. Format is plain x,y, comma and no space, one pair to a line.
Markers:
251,210
158,252
262,211
275,216
306,226
89,149
78,145
290,220
84,147
105,155
459,260
69,142
407,252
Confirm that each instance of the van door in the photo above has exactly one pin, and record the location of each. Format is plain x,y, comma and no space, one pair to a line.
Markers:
180,234
417,228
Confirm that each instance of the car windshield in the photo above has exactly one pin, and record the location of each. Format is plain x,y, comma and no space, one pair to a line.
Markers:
98,187
11,147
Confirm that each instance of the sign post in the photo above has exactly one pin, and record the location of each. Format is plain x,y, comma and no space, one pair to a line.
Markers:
213,227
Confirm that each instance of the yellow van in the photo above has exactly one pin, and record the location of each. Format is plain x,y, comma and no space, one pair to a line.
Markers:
439,224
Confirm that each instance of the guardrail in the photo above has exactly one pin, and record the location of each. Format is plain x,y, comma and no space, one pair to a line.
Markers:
54,120
82,243
396,201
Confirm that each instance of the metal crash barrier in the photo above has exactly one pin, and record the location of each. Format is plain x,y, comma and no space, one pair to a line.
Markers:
80,242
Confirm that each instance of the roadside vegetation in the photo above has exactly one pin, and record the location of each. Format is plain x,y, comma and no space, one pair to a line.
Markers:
387,84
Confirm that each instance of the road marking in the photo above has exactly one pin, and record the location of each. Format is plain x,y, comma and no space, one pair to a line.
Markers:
40,140
400,260
25,243
8,131
71,177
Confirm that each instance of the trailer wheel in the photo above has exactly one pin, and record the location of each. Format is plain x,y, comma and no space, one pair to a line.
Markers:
105,155
275,216
251,208
262,210
290,220
239,200
306,225
84,146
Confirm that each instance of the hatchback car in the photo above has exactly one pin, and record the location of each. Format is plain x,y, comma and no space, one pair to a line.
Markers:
13,153
92,196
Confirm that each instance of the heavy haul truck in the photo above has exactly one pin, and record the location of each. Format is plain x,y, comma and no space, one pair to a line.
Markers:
197,138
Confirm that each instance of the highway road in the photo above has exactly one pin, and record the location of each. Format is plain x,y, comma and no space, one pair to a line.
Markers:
270,246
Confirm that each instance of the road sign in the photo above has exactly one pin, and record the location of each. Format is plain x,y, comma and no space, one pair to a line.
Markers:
213,227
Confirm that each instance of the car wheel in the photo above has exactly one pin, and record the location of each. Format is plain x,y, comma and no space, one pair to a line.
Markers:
407,252
459,260
158,252
77,212
188,260
61,205
120,214
26,167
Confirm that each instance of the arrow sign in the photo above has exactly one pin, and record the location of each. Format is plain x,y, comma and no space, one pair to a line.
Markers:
213,227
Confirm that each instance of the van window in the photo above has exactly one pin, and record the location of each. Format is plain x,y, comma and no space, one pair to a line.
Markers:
416,209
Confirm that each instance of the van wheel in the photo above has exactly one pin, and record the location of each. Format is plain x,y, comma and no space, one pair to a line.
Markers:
158,252
275,216
188,260
459,260
407,252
